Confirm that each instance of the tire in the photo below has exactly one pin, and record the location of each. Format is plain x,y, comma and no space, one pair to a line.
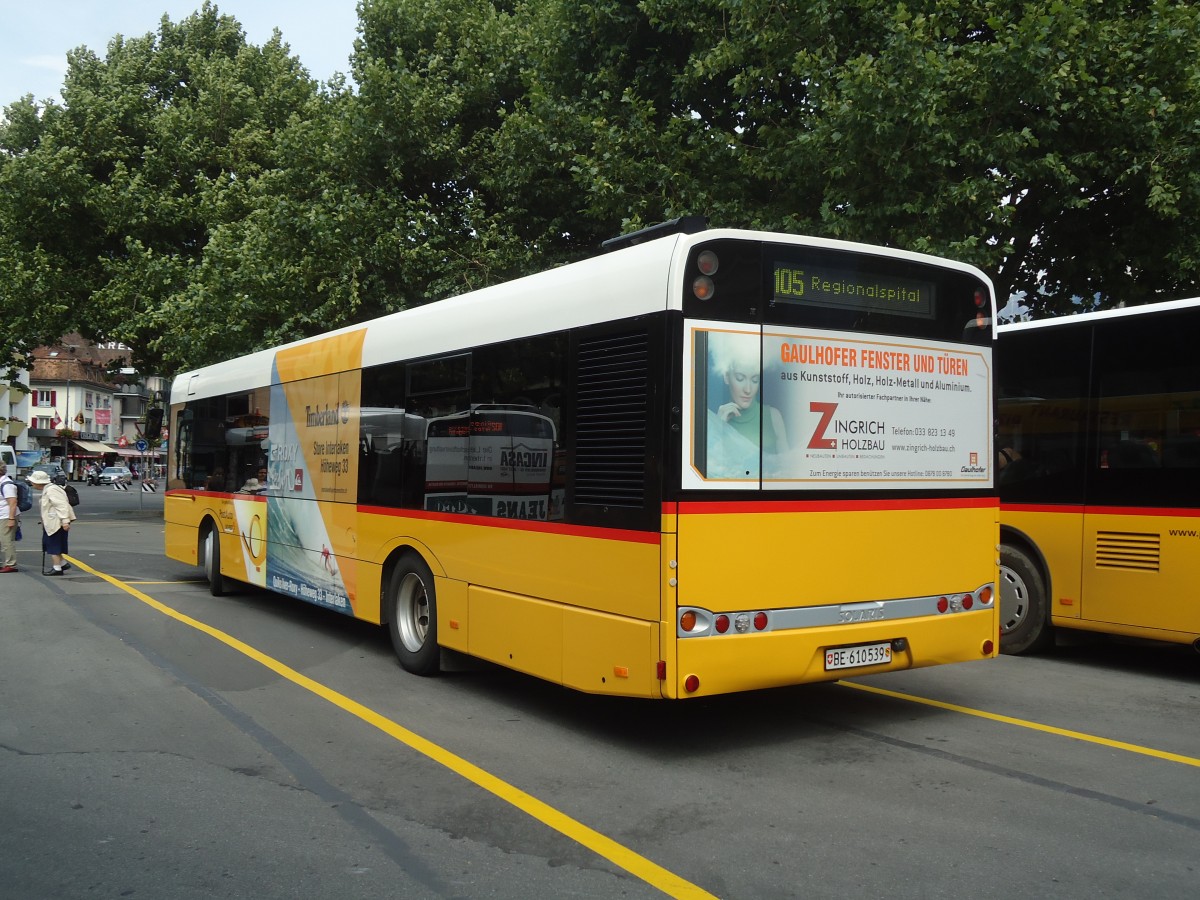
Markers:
1024,612
210,557
412,615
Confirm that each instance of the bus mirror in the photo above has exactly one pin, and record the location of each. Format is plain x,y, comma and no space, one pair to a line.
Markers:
154,423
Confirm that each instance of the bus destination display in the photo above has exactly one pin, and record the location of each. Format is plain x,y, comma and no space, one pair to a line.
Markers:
851,289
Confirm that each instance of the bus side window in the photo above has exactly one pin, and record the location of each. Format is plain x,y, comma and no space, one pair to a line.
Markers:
1042,415
1148,410
515,443
387,434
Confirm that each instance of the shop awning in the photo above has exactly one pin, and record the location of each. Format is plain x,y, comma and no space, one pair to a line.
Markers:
133,451
92,447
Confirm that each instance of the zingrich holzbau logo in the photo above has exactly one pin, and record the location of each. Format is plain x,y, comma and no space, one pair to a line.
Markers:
819,441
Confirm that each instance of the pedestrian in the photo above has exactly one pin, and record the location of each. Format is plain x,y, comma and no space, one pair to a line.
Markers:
57,516
10,521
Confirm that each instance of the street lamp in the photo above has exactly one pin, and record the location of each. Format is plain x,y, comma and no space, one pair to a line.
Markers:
67,420
67,430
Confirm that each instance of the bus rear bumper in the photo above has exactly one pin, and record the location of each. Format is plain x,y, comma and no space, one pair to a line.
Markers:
740,662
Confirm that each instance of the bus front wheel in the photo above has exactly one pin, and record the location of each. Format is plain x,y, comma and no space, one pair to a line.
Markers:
211,550
1024,619
412,615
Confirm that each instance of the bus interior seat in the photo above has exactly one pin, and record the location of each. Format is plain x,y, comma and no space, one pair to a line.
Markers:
1132,455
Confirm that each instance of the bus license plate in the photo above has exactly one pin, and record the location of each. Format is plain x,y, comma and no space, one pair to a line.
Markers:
853,657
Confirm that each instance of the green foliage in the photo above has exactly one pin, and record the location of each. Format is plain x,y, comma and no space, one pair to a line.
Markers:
108,203
1054,146
198,197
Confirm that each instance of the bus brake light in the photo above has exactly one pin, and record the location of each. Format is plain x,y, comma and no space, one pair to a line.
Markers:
707,262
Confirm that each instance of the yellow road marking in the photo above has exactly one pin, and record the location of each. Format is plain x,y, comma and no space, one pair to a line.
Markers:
656,876
181,581
1025,723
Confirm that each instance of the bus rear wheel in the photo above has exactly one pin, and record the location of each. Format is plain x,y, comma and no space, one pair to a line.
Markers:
412,615
211,553
1024,616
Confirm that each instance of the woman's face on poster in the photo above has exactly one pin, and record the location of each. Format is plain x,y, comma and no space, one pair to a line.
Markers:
743,385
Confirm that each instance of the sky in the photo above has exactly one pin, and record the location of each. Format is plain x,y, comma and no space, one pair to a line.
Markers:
35,35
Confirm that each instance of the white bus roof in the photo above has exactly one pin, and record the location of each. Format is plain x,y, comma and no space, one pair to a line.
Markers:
634,281
1100,315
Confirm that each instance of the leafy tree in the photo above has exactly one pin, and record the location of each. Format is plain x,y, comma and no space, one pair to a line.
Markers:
197,197
436,82
1053,144
108,203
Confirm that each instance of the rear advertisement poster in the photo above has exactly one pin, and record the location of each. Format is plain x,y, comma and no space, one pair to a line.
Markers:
797,408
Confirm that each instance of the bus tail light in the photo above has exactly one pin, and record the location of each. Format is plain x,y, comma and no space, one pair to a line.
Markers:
722,623
985,595
687,621
707,262
760,621
691,684
943,604
703,287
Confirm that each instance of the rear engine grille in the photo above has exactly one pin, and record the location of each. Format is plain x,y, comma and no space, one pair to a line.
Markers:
611,417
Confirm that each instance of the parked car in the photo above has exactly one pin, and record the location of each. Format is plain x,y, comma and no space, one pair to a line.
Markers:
54,470
115,475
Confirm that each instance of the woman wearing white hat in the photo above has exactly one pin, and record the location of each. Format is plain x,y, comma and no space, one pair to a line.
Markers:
57,517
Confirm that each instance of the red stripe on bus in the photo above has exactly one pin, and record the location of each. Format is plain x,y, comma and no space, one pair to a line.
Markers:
1101,510
589,531
226,495
705,507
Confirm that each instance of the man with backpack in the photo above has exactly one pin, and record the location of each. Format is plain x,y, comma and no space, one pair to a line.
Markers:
10,519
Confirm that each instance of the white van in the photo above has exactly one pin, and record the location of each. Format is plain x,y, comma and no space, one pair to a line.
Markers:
8,456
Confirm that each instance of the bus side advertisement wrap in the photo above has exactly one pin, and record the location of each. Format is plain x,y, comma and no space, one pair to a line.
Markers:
313,456
841,411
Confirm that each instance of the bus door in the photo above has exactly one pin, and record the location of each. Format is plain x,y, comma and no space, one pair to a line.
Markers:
1141,561
1141,558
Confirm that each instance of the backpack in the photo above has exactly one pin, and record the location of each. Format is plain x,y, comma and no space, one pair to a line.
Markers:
72,495
24,494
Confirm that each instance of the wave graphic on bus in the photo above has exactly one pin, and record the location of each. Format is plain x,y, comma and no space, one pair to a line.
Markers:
295,567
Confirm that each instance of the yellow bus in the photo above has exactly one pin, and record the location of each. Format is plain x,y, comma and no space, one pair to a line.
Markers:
703,461
1099,418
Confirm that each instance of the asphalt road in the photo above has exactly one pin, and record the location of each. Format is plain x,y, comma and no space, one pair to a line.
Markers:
157,742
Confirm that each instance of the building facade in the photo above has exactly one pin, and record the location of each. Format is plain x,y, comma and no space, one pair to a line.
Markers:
14,411
84,409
